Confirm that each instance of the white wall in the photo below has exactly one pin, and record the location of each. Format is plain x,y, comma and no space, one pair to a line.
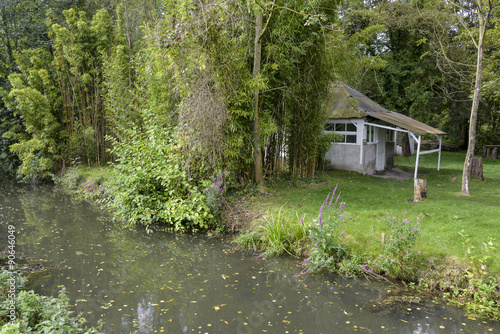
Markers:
346,157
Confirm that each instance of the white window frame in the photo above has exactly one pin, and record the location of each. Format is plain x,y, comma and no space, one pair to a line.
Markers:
343,124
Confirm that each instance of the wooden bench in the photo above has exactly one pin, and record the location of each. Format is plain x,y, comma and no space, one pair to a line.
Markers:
490,151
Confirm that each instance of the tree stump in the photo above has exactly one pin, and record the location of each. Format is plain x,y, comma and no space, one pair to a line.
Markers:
476,169
494,153
420,190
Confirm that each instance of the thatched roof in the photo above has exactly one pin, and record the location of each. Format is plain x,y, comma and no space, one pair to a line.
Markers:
344,101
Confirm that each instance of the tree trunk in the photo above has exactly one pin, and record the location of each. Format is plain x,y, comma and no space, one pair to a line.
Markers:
420,190
256,134
483,22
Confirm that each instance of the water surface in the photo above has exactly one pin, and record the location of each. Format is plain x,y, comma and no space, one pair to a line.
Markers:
168,283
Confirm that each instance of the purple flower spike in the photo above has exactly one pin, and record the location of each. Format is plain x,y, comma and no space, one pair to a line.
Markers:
341,219
316,245
338,197
327,198
342,232
319,218
302,221
322,208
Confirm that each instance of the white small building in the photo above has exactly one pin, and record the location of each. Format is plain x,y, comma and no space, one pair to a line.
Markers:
366,132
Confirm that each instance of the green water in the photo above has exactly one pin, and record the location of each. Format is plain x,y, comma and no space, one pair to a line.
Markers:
167,283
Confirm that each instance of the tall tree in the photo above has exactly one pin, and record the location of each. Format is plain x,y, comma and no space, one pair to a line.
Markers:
483,11
259,179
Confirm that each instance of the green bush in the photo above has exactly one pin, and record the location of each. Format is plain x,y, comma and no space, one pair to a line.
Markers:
481,295
152,185
326,240
398,254
35,313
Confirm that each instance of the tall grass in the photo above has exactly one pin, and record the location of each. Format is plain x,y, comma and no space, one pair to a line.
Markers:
275,235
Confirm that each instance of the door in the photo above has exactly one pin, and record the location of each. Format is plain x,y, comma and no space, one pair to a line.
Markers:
380,157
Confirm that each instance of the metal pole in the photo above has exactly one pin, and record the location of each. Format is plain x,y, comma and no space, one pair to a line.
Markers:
418,156
439,158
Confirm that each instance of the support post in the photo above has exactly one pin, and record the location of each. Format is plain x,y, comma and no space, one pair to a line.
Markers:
418,156
439,157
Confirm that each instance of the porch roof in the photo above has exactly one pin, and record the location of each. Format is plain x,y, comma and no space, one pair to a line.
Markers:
344,101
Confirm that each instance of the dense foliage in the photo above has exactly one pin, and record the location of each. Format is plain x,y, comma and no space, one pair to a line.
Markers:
173,87
35,313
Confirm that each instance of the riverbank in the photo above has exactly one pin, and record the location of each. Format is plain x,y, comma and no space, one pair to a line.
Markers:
456,236
450,225
371,200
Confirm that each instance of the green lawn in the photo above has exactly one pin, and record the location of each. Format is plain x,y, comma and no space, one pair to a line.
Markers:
370,200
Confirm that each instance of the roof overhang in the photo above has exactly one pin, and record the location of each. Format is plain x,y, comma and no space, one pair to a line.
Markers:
405,122
346,102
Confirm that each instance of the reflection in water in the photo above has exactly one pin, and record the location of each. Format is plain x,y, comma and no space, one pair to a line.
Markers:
167,283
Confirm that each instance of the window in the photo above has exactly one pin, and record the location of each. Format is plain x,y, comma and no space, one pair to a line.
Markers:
346,132
329,127
369,135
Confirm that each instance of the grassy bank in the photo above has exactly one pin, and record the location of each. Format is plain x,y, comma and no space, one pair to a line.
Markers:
370,200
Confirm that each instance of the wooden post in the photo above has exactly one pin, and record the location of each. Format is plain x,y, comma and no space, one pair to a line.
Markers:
485,152
420,190
383,238
476,169
494,153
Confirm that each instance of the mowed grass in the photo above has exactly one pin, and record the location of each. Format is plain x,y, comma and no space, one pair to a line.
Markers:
371,200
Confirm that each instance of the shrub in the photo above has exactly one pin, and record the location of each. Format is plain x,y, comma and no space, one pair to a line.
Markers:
38,314
151,185
399,252
481,295
325,236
